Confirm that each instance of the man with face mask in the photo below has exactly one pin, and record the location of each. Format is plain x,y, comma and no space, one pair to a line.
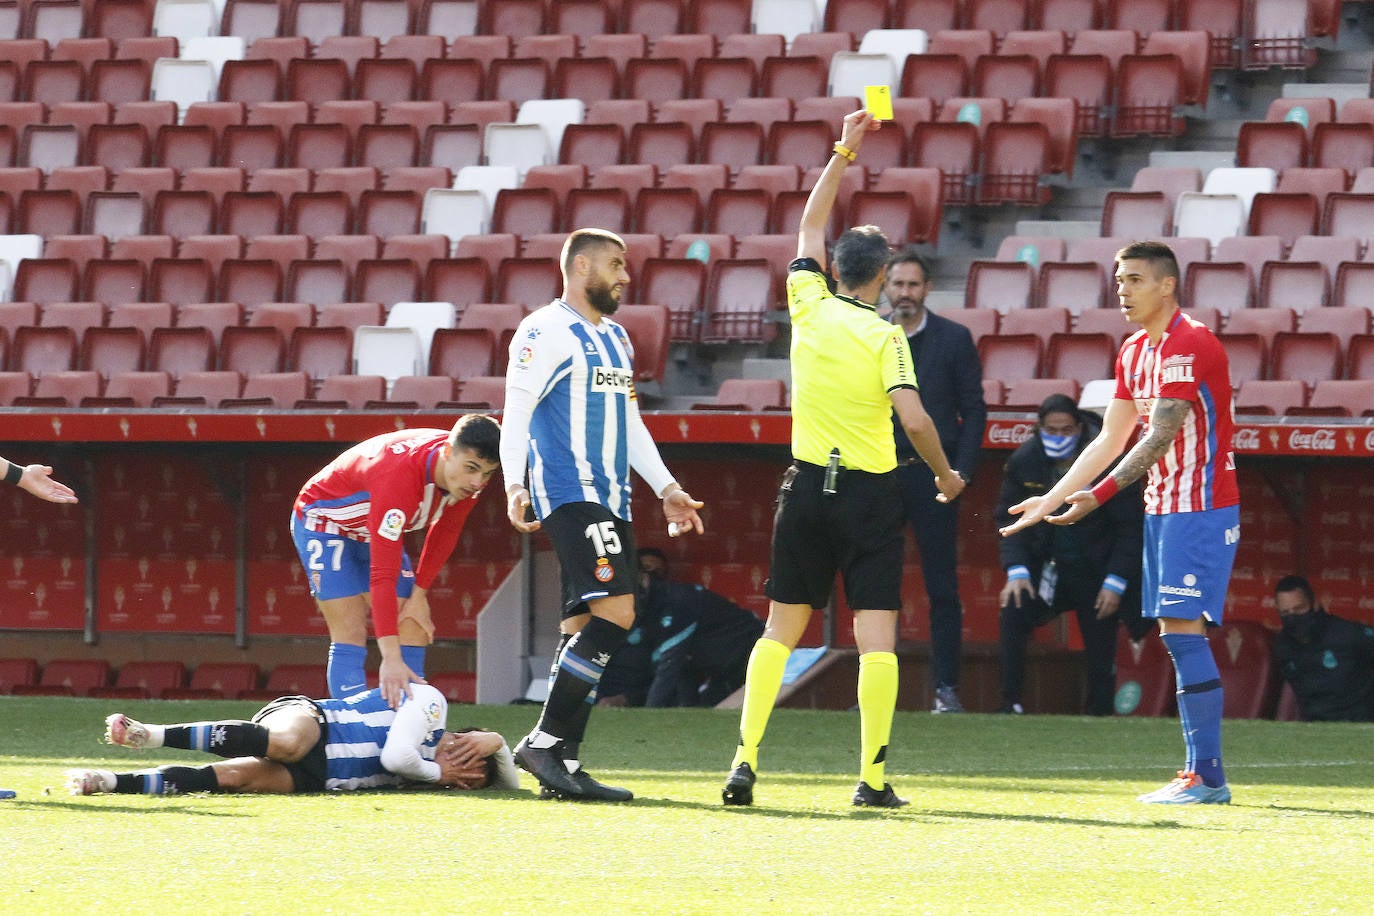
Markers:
1328,661
1092,568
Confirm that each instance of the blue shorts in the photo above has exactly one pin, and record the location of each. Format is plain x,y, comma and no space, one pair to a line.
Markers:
340,567
1188,557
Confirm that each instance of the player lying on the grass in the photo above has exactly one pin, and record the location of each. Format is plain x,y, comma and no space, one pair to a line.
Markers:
296,744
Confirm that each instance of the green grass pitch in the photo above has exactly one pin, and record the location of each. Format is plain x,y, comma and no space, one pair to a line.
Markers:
1008,815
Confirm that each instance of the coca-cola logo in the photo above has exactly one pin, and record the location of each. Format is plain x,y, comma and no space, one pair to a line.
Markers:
1014,434
1247,439
1321,440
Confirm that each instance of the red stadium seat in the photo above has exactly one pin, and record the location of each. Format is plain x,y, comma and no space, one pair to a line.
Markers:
69,677
144,680
739,296
1247,356
1244,653
649,330
290,680
1276,145
1346,322
461,353
751,395
679,284
1270,397
1344,397
1088,80
17,672
1310,357
1144,677
1003,285
1009,358
938,77
1082,357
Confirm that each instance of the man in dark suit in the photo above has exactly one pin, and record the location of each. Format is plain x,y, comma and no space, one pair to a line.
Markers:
950,377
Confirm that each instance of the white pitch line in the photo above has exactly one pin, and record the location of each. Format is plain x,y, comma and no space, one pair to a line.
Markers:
1023,770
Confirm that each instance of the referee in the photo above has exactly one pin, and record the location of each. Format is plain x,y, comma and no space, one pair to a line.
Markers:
839,506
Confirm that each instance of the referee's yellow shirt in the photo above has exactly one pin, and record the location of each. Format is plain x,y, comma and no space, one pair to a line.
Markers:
845,360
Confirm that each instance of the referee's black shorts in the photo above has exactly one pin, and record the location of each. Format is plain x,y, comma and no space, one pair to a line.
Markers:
857,531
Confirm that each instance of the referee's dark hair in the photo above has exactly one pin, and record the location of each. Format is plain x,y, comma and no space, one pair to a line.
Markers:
911,255
859,254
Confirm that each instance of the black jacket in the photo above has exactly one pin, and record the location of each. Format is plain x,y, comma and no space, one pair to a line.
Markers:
1108,540
1332,673
950,377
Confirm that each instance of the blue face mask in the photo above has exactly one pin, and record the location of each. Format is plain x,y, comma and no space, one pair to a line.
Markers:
1059,446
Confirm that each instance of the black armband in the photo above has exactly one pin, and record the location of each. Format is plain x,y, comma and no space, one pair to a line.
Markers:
14,473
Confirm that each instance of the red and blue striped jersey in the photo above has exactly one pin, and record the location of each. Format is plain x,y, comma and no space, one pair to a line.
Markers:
1198,472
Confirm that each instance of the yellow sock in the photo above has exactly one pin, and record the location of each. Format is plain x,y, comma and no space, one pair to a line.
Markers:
764,678
877,700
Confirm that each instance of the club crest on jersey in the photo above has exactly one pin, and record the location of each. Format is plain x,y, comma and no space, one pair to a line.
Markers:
610,380
393,524
604,572
432,714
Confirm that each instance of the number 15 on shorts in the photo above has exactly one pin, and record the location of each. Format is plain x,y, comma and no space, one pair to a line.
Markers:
604,537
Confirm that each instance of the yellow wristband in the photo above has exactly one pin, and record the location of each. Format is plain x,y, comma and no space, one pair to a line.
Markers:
846,152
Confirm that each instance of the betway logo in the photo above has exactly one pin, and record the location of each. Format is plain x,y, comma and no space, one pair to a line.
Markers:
609,379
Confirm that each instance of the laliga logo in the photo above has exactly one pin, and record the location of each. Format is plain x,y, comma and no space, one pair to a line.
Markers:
1246,439
1011,435
1322,440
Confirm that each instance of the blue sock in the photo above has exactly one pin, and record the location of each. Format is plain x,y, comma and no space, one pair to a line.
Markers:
345,671
414,657
1199,704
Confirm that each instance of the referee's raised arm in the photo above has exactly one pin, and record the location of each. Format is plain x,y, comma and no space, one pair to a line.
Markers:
816,215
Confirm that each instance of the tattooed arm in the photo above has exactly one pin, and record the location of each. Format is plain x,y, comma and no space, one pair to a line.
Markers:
1166,419
1118,424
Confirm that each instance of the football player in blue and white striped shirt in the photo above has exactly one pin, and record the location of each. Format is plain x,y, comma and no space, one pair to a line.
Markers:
572,422
296,744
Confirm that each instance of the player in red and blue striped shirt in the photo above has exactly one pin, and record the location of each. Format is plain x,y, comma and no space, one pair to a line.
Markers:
349,522
1174,374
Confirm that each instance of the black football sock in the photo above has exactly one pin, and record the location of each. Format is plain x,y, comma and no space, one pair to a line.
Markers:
230,738
580,667
169,780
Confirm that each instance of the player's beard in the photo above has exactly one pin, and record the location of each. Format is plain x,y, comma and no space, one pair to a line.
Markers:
600,296
908,307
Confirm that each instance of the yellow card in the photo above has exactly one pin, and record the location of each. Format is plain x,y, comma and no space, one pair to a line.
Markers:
878,101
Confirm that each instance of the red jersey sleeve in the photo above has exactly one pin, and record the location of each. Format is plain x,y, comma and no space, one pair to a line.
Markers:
395,493
441,539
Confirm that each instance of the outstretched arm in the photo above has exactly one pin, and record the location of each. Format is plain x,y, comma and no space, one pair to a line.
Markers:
1117,426
1166,419
37,479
